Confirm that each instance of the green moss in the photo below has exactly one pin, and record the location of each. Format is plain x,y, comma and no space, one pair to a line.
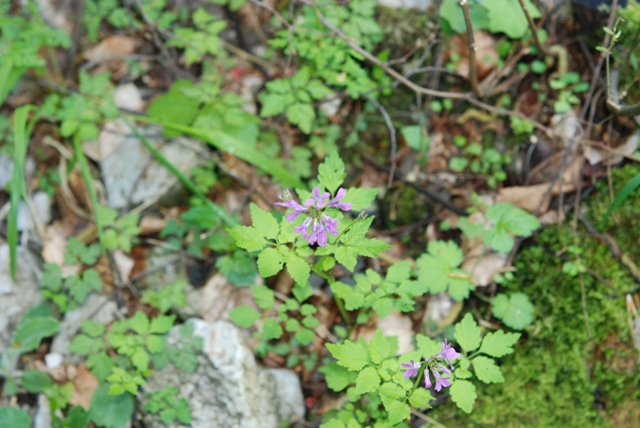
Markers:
558,376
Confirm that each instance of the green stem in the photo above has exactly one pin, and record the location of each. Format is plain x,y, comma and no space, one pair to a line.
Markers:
339,301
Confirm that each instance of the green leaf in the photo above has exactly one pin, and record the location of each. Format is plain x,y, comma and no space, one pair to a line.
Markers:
399,272
36,381
155,344
438,268
305,336
331,172
451,12
486,370
379,348
244,316
427,346
263,296
162,324
92,328
353,356
516,311
247,237
12,417
624,194
264,222
140,359
398,412
415,138
467,333
301,115
175,105
110,410
139,323
31,331
420,398
271,329
360,198
270,262
498,343
507,17
299,269
338,378
273,104
463,393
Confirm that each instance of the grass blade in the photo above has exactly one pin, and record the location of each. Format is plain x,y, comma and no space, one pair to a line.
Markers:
21,132
621,197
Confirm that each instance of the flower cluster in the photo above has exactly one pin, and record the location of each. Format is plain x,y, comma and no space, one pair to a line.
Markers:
317,223
436,365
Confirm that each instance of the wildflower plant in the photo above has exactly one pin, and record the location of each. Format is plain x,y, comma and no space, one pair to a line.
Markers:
319,230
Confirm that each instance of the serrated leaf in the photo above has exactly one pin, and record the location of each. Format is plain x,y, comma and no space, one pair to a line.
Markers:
499,240
379,348
399,272
515,311
244,316
368,380
338,378
299,269
467,333
420,398
499,343
36,381
140,359
360,198
486,370
398,412
301,115
264,222
438,269
427,346
270,262
139,323
383,307
14,417
463,393
154,343
271,329
92,328
264,297
353,356
331,172
162,324
248,238
346,258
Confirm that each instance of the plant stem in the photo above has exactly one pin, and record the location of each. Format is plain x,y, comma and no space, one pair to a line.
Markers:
533,28
473,68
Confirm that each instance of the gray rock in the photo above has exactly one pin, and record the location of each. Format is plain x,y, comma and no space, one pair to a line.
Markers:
229,389
131,175
6,169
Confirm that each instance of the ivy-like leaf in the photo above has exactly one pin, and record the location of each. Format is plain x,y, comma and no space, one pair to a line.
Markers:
331,172
244,316
515,311
438,268
379,348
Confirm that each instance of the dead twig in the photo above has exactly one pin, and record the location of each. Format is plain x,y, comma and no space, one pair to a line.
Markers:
473,67
392,136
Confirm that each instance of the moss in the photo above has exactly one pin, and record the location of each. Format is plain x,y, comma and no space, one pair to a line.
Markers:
558,376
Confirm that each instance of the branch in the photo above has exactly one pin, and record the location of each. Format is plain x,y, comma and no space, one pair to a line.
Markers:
533,28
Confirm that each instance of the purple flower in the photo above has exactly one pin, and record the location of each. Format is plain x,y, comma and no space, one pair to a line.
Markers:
441,382
412,369
316,219
436,367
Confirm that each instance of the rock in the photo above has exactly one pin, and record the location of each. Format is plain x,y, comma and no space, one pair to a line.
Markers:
229,389
6,169
16,298
42,206
131,175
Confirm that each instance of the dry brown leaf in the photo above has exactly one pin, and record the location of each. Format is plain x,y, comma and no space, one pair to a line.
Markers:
111,47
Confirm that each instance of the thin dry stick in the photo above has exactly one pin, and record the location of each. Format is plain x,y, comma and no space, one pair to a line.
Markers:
596,71
392,137
533,28
473,68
